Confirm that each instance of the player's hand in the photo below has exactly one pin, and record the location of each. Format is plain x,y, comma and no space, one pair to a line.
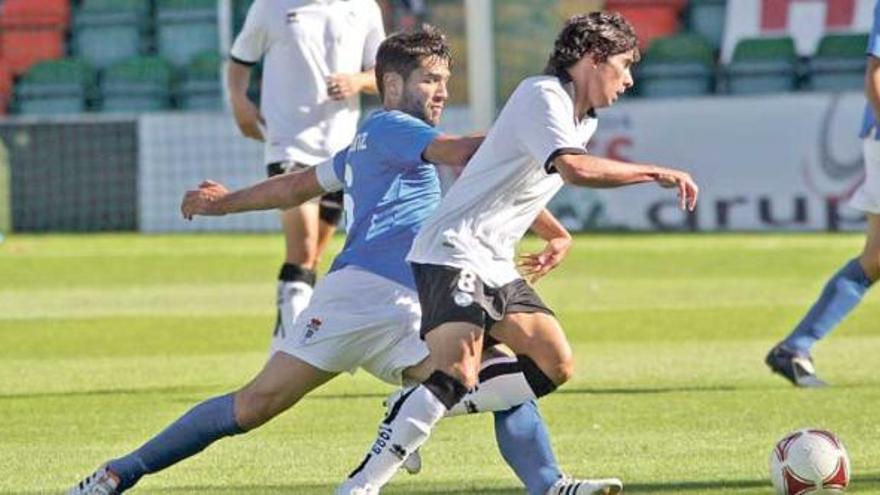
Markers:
536,265
248,118
682,181
203,201
341,86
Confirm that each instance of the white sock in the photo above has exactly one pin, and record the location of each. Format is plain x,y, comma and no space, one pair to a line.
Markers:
505,386
405,429
293,297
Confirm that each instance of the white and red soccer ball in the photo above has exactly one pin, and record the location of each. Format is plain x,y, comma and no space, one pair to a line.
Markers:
809,461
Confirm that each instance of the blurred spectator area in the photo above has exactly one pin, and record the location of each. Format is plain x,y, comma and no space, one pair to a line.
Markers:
68,56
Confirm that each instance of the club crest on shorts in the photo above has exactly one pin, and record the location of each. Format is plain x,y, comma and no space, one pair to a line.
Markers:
463,299
312,328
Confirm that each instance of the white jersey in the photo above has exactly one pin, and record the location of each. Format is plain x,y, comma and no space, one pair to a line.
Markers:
303,42
507,182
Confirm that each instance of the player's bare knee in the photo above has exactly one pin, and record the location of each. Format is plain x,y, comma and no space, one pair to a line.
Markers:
464,373
563,372
254,407
870,261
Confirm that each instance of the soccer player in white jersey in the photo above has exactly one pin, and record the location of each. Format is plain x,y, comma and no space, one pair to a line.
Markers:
463,257
390,189
318,55
792,358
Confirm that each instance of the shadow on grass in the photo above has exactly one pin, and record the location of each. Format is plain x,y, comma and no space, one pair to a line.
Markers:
859,484
105,392
202,392
195,393
317,489
695,388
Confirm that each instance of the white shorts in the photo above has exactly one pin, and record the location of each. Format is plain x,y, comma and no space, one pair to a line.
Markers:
867,196
357,319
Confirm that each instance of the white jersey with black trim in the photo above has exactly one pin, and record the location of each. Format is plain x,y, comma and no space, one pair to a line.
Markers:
507,182
303,42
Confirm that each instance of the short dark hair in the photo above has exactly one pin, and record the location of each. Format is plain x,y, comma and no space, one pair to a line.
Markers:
403,52
601,34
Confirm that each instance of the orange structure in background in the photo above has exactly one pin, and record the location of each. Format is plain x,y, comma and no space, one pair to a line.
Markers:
31,31
651,18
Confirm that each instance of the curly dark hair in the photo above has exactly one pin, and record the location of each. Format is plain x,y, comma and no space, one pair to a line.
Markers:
401,53
602,34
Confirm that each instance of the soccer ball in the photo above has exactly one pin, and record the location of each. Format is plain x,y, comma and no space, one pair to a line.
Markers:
809,461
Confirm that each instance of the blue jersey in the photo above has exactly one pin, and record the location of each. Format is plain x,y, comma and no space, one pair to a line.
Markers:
389,192
870,120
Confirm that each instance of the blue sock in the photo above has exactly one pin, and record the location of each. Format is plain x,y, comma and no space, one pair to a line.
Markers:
841,294
205,423
525,444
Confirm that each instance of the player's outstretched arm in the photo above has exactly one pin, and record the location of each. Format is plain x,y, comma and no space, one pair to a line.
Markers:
452,150
535,265
282,191
595,171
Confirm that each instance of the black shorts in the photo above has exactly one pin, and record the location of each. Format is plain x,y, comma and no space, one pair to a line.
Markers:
331,203
449,294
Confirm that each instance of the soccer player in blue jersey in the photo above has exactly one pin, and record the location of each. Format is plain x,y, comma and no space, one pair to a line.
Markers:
792,357
365,313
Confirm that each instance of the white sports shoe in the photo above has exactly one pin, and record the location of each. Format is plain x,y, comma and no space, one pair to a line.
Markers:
101,482
570,486
413,462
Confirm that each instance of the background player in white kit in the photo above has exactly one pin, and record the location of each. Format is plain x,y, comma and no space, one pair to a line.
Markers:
463,258
317,56
390,190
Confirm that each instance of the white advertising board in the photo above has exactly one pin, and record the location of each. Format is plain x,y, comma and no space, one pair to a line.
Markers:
778,162
781,162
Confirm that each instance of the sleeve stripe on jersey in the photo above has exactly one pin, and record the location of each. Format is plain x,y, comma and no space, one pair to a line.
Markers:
240,61
548,165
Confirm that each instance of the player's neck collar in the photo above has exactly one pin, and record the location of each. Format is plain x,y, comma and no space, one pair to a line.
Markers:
568,85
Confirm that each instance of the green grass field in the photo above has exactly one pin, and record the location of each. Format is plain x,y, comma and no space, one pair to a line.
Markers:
104,339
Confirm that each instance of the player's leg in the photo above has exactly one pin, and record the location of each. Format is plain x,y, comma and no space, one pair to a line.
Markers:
520,432
318,347
282,382
792,357
524,442
542,362
545,361
296,278
452,326
330,213
543,357
455,349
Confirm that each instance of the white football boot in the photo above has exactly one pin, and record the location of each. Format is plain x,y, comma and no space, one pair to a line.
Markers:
101,482
571,486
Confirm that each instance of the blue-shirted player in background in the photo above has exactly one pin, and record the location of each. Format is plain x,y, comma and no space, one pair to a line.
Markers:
365,313
791,358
